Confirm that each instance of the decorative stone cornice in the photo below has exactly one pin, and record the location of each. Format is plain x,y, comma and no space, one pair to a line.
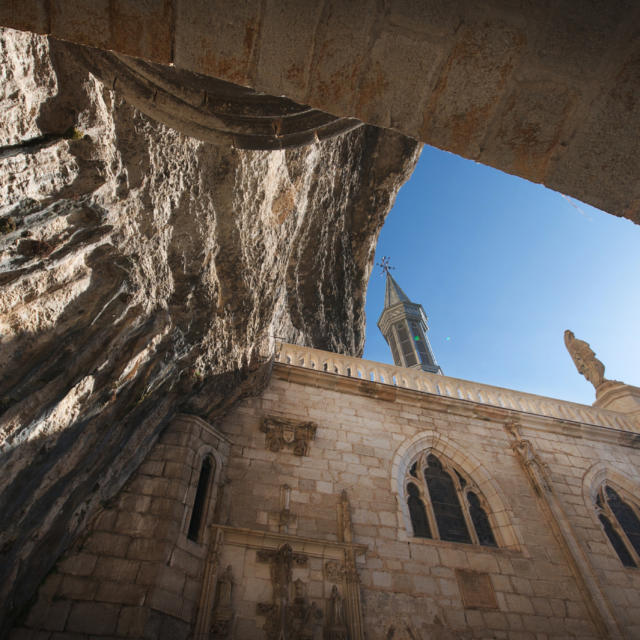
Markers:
316,368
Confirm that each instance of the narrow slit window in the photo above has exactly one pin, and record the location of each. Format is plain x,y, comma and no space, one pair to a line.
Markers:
200,501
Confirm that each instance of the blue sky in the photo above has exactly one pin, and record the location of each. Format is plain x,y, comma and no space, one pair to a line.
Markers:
502,267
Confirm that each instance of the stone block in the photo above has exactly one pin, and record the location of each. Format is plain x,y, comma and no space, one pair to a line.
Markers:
426,585
170,579
495,620
177,471
167,508
518,603
78,564
82,21
340,53
134,503
192,589
166,602
148,574
27,15
47,615
78,588
473,77
139,524
217,38
285,59
186,562
435,17
131,621
105,520
107,544
116,569
151,467
483,563
533,127
93,618
117,592
149,549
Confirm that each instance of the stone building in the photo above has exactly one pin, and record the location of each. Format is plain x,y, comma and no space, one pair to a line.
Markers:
353,499
183,180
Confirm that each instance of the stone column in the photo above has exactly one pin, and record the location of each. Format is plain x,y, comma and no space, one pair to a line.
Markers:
353,609
595,600
208,593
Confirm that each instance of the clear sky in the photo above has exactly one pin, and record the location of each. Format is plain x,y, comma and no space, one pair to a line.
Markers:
502,267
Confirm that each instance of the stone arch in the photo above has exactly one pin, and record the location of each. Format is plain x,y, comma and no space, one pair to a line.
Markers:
500,514
600,473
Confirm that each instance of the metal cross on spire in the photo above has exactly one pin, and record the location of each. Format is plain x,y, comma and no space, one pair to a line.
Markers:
385,265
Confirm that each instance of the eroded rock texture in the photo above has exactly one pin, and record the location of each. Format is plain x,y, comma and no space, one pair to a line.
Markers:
142,274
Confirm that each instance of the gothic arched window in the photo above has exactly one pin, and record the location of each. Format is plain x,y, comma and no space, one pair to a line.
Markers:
199,510
620,520
444,504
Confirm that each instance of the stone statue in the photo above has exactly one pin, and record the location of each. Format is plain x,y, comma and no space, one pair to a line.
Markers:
585,359
225,588
223,614
337,626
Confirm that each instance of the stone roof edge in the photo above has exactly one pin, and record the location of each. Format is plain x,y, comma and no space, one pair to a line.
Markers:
449,405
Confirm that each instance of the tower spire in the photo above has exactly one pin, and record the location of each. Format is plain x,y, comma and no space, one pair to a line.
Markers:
403,324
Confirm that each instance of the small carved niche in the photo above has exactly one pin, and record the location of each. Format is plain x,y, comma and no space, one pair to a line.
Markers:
476,590
281,433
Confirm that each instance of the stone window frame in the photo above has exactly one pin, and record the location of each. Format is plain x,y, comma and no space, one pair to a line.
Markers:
205,451
602,507
463,484
501,517
622,478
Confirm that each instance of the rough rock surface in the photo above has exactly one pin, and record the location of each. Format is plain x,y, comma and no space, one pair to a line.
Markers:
142,274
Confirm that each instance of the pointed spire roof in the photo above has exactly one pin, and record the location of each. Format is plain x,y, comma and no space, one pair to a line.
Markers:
393,294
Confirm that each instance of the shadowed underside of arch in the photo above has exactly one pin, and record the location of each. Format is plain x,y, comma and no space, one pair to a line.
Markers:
546,91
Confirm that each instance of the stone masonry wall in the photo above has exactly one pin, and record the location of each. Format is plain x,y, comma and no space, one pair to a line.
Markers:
135,574
409,585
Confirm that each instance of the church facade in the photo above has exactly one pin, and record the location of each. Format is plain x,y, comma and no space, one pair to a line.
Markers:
354,500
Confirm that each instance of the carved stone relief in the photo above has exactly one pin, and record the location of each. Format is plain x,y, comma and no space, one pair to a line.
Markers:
334,571
537,470
289,616
280,434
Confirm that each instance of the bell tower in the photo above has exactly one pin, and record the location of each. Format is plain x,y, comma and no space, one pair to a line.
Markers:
404,326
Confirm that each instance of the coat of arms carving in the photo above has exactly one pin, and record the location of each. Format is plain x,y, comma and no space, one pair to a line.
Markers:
281,433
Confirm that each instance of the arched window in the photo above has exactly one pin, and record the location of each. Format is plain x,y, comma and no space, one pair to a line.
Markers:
199,510
620,520
444,504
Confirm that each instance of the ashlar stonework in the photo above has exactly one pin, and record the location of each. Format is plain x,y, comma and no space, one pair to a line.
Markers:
348,564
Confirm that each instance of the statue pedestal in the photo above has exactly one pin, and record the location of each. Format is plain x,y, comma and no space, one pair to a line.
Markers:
617,396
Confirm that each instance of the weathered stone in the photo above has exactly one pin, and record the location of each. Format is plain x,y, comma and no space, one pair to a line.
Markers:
162,266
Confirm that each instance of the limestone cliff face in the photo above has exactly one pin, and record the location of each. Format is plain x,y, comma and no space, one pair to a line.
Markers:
143,273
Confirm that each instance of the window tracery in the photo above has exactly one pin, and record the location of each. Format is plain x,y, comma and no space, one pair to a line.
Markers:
620,519
446,504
